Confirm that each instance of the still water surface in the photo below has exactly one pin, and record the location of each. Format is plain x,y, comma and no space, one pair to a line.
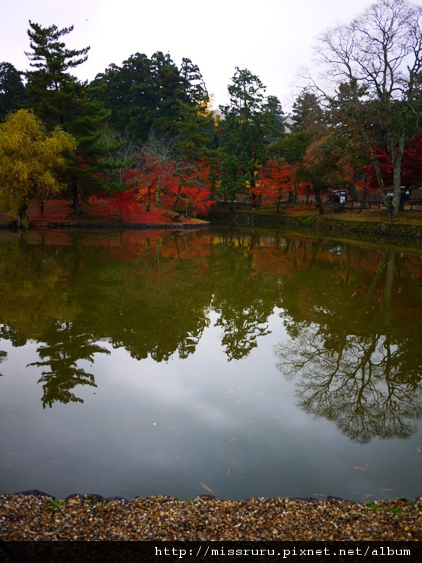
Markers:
216,362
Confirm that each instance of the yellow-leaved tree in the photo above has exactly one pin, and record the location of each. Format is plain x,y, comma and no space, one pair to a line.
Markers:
31,162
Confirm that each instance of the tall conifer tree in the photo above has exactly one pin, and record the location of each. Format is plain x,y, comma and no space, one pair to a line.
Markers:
152,96
12,90
59,98
250,122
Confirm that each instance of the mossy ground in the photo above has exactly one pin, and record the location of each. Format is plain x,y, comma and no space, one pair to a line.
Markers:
348,213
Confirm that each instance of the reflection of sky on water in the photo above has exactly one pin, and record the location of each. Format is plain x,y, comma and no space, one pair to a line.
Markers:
186,426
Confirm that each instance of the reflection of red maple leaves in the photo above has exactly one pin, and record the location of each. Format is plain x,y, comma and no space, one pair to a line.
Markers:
188,245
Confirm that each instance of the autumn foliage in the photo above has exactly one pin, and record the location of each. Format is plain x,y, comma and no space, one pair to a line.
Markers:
156,178
32,162
125,203
411,167
179,186
193,194
273,181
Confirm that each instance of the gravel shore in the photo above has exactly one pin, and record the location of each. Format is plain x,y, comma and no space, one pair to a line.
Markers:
39,517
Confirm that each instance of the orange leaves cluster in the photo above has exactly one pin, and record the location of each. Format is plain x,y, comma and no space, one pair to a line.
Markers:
274,180
156,177
173,185
194,191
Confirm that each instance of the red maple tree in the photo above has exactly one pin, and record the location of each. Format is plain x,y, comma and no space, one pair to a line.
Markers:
156,179
125,203
193,193
411,168
273,181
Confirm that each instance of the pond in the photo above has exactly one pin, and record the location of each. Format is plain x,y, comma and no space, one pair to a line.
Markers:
232,363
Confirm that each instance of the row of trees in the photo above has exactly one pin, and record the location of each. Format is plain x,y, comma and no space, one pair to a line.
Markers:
54,100
146,128
375,63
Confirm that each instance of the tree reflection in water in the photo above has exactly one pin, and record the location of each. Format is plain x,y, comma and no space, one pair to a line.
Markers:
351,313
3,356
360,387
367,381
65,347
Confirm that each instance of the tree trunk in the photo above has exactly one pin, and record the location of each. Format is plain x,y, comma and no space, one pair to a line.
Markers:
318,200
395,204
23,220
75,198
389,280
292,197
402,200
363,199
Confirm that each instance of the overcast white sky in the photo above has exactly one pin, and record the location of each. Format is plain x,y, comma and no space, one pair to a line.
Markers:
271,38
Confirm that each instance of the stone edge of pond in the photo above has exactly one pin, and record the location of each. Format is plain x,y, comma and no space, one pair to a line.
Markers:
94,498
330,224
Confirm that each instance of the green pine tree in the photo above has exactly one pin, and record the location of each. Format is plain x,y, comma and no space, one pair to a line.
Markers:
59,98
249,124
152,96
12,90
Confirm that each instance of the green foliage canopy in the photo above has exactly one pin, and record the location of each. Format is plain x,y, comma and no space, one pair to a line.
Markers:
59,98
148,95
249,124
12,90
